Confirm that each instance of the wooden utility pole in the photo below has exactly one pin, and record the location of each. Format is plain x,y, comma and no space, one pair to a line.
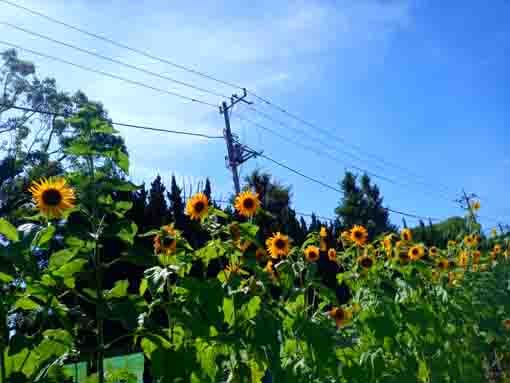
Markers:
237,153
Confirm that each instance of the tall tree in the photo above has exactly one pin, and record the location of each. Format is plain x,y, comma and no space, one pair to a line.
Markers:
363,205
176,204
275,198
157,209
207,188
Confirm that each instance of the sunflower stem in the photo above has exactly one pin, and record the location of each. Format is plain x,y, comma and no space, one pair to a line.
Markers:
97,228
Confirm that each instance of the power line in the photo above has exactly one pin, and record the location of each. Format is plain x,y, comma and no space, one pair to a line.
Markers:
324,153
120,45
328,186
354,156
112,60
114,123
210,77
106,74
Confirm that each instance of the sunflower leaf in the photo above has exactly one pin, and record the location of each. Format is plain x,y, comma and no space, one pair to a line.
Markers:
43,236
8,230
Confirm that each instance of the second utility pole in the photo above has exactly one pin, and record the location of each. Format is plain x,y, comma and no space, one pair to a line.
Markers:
234,157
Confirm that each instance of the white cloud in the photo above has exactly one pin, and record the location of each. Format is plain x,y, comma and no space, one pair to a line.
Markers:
273,47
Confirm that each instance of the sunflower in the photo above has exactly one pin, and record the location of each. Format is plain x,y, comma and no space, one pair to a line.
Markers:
52,196
475,205
165,242
323,244
476,257
506,324
340,315
497,249
260,254
494,255
442,264
278,245
470,240
387,242
406,235
247,203
345,236
235,231
435,275
323,233
244,245
416,252
312,253
474,268
270,269
404,258
433,251
463,259
451,243
332,255
232,268
197,206
359,235
366,262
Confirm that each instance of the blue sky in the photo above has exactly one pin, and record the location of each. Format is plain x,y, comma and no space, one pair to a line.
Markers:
423,84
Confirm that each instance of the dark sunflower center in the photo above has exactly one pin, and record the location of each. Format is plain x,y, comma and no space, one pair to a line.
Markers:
248,203
52,197
199,206
279,243
313,255
167,241
415,251
358,234
406,236
366,263
339,314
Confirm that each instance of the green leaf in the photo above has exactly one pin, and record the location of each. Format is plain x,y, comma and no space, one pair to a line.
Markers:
250,309
71,268
6,278
43,236
218,213
143,286
60,336
122,161
119,290
26,304
74,242
61,257
120,208
8,230
248,230
119,185
79,149
127,232
228,311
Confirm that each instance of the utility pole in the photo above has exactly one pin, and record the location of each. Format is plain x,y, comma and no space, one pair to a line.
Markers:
237,153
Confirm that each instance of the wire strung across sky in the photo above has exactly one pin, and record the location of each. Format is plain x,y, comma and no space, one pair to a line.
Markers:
220,81
327,154
115,61
106,74
191,99
25,109
278,163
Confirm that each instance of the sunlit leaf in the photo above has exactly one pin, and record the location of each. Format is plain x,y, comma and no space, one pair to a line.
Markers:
8,230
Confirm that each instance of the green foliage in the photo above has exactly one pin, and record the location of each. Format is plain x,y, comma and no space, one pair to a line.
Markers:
203,308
